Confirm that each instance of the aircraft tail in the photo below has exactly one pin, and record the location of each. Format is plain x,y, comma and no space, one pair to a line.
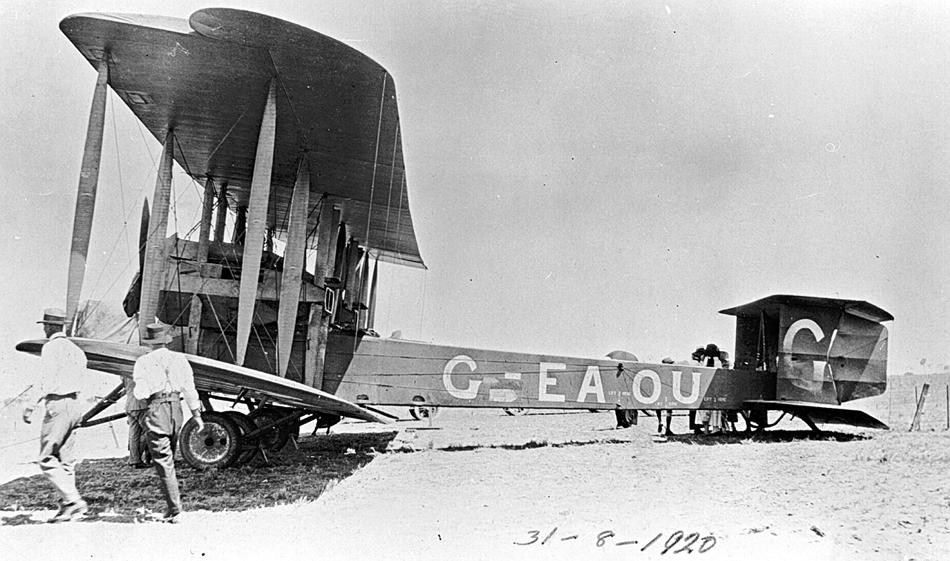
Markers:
823,350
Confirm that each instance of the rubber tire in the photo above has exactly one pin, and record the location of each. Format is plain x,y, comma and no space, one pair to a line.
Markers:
217,446
515,411
275,439
248,446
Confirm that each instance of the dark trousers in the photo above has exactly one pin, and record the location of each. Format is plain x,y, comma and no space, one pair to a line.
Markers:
163,421
58,454
138,438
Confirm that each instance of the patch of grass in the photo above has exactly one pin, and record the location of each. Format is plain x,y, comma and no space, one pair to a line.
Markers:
534,443
110,486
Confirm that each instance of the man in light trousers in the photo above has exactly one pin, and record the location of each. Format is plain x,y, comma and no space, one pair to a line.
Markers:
163,378
62,368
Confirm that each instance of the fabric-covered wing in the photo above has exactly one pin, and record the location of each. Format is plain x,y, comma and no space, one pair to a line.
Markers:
207,78
219,377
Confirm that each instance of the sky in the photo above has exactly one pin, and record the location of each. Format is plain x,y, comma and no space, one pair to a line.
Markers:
583,176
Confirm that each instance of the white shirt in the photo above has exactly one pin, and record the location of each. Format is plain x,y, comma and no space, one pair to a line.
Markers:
163,370
62,368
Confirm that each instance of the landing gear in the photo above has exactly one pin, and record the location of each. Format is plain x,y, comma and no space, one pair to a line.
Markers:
276,437
231,438
758,420
515,411
248,444
215,446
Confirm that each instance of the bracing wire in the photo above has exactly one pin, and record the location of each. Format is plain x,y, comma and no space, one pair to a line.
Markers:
96,284
369,210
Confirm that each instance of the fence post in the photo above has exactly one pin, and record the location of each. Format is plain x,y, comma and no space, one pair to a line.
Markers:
915,425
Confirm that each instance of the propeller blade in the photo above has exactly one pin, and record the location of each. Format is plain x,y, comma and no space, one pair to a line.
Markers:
143,233
133,298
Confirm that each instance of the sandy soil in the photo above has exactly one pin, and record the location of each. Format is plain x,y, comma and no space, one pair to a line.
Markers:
479,484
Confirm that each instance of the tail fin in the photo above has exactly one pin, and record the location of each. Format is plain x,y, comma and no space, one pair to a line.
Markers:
823,350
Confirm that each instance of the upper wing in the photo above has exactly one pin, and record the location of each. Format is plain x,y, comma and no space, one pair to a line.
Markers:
207,78
221,377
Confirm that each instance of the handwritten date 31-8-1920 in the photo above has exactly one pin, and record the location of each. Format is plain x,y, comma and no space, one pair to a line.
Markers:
675,542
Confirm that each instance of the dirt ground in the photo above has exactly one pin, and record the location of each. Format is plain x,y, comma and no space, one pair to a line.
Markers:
484,485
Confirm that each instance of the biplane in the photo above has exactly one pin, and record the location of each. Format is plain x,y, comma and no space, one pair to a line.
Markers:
296,140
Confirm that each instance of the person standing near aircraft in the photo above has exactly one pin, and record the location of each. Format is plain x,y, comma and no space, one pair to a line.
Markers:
62,367
668,413
136,409
163,378
711,421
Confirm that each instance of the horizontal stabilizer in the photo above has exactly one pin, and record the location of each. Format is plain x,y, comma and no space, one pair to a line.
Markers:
819,413
219,377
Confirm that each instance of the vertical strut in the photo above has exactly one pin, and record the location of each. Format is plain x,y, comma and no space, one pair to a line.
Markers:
294,255
222,214
240,225
86,194
371,313
330,229
256,220
152,272
204,235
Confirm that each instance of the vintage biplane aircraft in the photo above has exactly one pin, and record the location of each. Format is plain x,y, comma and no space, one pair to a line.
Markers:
296,136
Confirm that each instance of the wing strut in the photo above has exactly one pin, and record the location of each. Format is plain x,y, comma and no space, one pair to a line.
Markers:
204,238
371,313
328,231
222,214
256,220
155,247
86,195
294,256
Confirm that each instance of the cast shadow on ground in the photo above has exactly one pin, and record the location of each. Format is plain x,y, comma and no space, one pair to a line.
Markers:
765,437
117,493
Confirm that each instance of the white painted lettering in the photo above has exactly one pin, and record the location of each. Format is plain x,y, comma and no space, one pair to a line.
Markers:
468,393
505,395
638,386
592,384
544,381
678,388
799,325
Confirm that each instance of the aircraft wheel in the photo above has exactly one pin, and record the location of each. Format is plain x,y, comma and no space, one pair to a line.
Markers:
515,411
215,446
420,412
248,445
274,439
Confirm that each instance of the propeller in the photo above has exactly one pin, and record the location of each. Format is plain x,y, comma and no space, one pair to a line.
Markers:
130,304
